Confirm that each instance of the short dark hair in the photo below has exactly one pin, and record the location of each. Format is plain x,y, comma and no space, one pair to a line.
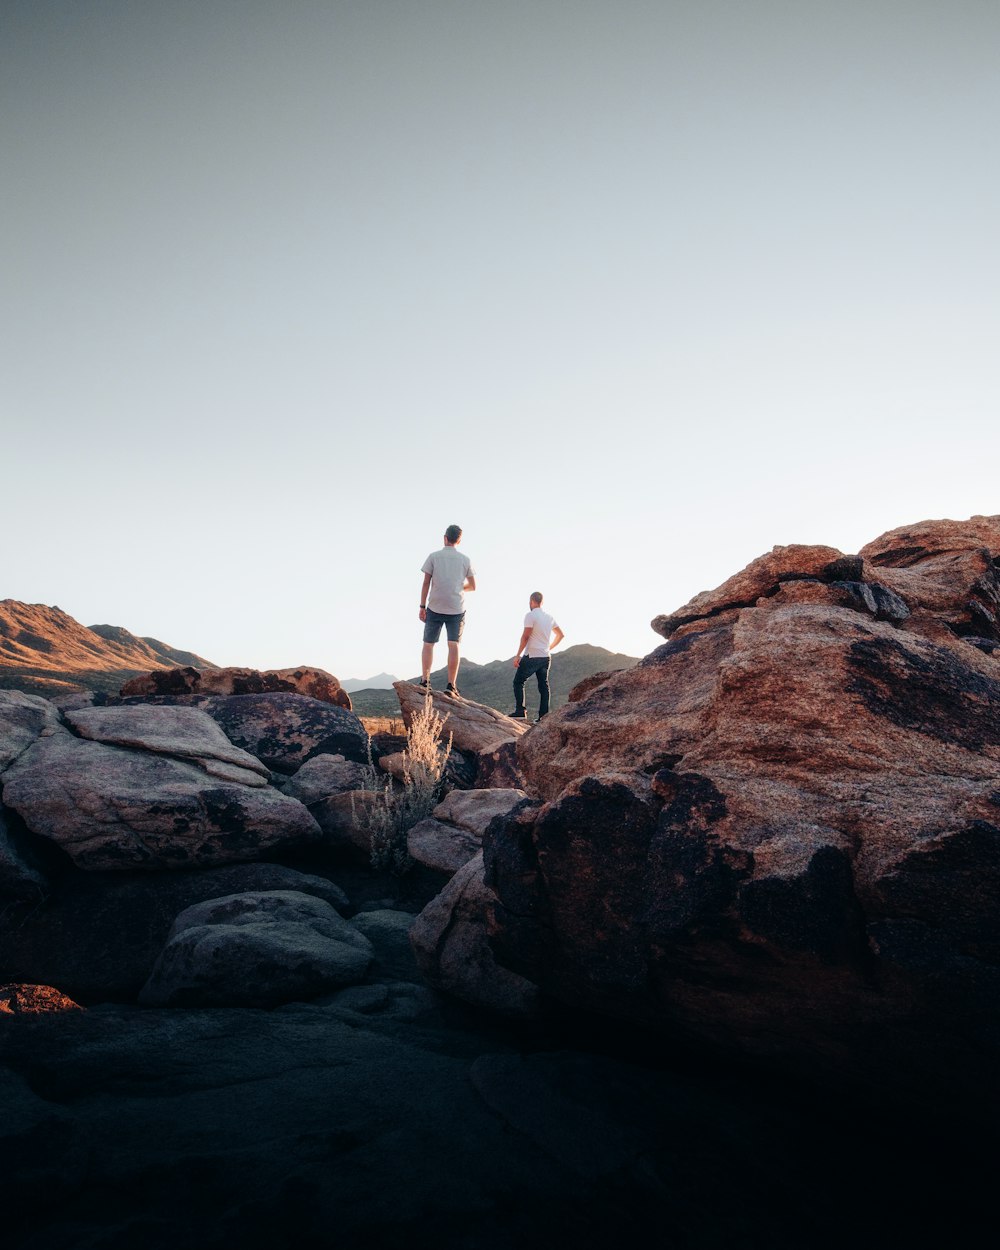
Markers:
536,596
453,533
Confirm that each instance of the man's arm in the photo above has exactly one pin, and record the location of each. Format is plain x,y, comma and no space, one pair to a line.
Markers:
423,596
470,582
557,637
521,645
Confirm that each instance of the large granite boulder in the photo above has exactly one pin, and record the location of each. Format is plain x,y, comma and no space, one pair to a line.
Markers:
473,727
287,730
449,941
186,733
97,935
185,682
781,831
110,807
257,950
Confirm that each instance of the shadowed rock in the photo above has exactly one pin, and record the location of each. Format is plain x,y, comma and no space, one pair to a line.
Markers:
441,846
19,877
451,948
97,935
256,950
286,730
453,834
112,808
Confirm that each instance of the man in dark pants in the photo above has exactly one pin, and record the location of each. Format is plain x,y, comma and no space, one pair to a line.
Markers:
541,634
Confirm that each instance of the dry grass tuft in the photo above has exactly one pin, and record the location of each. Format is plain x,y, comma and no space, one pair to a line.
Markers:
424,762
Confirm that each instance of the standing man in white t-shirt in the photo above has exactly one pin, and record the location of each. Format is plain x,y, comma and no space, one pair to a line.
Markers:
447,576
541,635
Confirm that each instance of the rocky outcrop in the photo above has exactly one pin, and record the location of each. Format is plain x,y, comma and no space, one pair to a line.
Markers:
109,807
286,730
183,682
781,831
186,733
473,727
449,941
256,950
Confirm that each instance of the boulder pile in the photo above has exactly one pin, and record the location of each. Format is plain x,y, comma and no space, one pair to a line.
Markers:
781,831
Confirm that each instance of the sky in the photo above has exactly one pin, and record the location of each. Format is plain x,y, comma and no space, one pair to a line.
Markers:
631,291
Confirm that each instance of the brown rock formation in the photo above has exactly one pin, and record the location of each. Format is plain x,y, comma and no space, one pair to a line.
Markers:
316,683
781,831
33,1000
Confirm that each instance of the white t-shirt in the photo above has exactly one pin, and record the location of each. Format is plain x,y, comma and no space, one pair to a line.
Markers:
448,569
541,625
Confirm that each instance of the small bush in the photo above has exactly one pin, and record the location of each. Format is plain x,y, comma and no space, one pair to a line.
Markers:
399,809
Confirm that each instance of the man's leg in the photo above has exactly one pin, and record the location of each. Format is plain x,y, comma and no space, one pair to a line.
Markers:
542,677
453,658
520,677
426,659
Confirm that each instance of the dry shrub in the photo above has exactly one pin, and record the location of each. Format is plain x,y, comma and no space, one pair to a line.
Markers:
383,725
424,762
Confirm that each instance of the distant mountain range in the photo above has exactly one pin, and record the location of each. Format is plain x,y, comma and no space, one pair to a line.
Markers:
45,651
491,683
382,681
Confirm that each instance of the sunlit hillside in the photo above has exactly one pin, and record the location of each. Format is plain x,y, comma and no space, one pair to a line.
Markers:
491,683
43,650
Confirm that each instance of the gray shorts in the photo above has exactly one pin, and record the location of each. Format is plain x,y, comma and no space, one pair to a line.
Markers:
454,623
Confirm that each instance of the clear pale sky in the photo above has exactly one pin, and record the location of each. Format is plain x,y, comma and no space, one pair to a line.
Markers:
631,291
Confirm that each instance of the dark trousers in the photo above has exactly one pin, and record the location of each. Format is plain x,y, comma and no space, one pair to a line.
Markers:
540,667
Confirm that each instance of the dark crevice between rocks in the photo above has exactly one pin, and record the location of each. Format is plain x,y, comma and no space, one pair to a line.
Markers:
817,913
41,854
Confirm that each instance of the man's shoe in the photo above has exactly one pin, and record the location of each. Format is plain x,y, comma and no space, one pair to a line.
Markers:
424,685
518,715
452,690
